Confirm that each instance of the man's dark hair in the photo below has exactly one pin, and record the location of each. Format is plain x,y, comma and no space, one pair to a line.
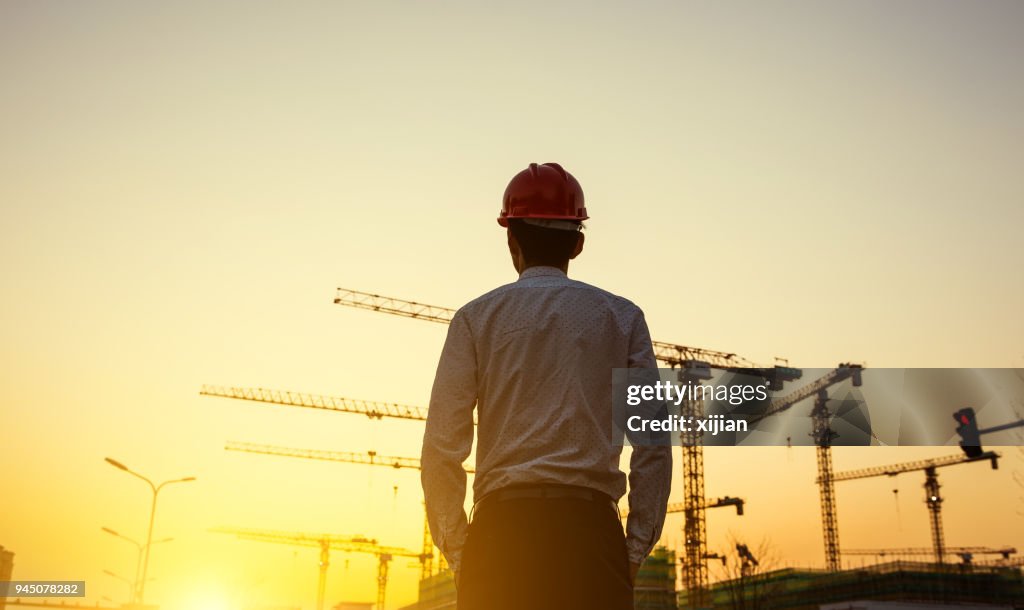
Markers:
541,245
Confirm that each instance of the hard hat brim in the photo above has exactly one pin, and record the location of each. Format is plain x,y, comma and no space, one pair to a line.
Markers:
503,220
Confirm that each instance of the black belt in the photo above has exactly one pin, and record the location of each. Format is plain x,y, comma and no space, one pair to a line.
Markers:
540,492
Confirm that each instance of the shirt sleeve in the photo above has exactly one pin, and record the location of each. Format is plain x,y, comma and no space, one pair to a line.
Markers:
448,440
650,467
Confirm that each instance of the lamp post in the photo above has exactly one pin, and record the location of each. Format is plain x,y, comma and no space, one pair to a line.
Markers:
130,584
138,556
141,584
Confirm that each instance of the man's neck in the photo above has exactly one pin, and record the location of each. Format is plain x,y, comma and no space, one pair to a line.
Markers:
564,267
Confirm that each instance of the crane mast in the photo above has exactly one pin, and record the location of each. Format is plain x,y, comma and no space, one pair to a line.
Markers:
695,544
823,436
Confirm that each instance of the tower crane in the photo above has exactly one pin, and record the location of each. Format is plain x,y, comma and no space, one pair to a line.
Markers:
823,436
370,458
694,363
965,553
326,543
1013,562
683,507
695,551
932,498
779,404
669,353
679,507
370,408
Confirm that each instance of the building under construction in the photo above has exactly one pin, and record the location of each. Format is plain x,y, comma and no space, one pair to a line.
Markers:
898,581
659,585
6,568
920,583
655,587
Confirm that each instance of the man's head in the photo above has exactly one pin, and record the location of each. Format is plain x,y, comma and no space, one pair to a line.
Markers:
543,210
531,245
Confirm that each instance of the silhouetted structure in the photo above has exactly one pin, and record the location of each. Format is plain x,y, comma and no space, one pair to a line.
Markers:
893,581
353,606
6,568
655,586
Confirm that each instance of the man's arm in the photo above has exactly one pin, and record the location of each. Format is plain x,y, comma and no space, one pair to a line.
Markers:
448,439
650,468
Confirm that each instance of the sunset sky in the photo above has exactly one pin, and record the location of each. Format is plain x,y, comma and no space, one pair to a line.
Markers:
183,185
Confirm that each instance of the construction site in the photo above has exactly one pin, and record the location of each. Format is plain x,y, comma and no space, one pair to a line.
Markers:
683,571
680,578
285,282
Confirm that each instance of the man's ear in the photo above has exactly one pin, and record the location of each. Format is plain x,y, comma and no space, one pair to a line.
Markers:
513,250
579,246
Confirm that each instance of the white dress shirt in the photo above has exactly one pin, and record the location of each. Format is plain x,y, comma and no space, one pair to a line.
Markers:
535,358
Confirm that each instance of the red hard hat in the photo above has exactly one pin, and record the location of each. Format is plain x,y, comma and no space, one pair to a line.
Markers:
543,191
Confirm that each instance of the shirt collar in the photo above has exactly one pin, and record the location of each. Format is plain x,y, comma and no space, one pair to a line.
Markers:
541,271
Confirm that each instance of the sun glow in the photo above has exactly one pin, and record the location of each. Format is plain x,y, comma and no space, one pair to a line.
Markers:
210,599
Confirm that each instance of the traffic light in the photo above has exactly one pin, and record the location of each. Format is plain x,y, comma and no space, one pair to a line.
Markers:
967,428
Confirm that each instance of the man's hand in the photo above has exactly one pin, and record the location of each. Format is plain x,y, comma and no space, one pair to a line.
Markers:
633,569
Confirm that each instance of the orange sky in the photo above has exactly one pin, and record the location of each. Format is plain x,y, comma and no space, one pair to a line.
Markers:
183,185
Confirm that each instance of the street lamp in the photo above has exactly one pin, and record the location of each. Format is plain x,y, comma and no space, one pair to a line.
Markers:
138,557
141,583
130,584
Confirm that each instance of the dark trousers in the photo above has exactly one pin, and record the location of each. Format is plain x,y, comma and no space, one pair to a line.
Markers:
541,553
